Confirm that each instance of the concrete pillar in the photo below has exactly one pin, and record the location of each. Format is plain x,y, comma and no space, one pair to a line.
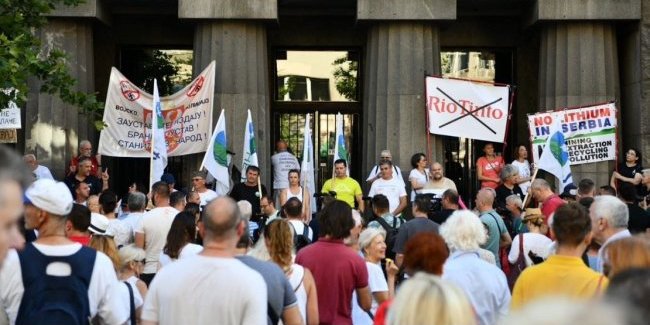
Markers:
579,66
398,54
53,129
242,82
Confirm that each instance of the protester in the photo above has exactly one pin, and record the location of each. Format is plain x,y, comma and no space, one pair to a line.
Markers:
151,231
86,289
498,235
626,253
534,241
82,193
419,175
484,284
134,289
177,200
489,167
438,183
607,190
352,241
427,299
337,270
391,187
645,202
14,177
514,204
86,151
193,197
83,174
212,287
136,202
563,274
586,189
39,171
278,239
345,188
299,192
542,193
283,162
449,204
250,189
509,176
373,248
268,208
198,186
303,235
628,171
419,223
77,223
375,172
381,210
121,231
524,167
93,204
609,218
246,210
569,194
104,243
180,238
169,179
639,219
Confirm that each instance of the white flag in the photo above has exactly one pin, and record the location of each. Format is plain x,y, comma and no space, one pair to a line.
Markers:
307,166
216,157
555,156
158,142
340,151
250,147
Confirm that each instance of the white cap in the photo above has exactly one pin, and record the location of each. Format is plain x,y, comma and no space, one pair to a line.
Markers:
50,196
98,224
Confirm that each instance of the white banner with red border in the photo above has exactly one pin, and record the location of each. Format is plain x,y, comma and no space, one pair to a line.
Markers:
187,117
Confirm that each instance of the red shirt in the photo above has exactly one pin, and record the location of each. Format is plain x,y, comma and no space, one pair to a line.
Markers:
550,205
337,271
490,169
83,240
94,169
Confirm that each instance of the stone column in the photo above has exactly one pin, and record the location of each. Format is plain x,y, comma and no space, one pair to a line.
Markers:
53,129
233,34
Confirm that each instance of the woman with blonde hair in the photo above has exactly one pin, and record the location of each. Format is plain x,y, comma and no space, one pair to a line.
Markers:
278,237
627,253
426,299
373,247
134,289
106,245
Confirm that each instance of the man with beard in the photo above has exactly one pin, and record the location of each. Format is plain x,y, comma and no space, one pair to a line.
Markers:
438,183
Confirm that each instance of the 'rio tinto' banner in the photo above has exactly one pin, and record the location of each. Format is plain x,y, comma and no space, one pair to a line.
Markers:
590,132
187,117
467,109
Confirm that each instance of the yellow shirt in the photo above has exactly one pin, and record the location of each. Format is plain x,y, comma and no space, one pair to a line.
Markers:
346,189
557,276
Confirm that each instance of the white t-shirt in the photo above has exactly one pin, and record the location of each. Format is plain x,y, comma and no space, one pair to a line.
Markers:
299,227
125,300
102,298
206,290
416,175
283,162
187,251
376,283
524,171
537,243
393,189
121,231
43,172
133,219
155,225
397,173
207,196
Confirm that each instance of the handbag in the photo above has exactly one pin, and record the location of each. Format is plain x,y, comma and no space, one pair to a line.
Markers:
519,265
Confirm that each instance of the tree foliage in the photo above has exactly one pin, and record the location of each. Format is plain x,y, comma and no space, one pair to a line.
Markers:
22,56
345,76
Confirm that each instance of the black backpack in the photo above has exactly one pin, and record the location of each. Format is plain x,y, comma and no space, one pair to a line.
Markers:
391,235
55,300
302,240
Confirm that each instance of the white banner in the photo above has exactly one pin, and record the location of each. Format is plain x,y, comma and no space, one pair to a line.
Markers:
187,117
590,132
467,109
10,117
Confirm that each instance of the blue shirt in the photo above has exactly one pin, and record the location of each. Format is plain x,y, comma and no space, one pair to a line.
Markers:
484,284
496,227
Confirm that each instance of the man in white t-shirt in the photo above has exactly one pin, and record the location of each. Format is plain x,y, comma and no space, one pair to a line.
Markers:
212,287
375,172
293,210
198,185
39,171
46,204
391,187
151,231
283,161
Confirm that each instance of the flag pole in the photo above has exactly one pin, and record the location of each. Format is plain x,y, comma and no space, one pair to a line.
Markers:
153,115
523,206
259,187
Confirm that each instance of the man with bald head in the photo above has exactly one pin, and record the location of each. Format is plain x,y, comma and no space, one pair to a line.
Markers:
212,287
438,183
498,235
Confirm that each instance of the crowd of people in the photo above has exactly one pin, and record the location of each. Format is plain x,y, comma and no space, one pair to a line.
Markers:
73,251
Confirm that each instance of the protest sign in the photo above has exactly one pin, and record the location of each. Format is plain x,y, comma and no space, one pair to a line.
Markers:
187,117
9,116
590,132
461,108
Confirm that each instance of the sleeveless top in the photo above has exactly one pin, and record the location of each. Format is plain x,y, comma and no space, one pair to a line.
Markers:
296,280
290,195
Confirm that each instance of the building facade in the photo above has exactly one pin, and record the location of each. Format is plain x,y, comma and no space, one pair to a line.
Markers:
557,53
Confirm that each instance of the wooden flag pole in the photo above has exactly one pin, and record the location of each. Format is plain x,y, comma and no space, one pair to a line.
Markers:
259,187
523,206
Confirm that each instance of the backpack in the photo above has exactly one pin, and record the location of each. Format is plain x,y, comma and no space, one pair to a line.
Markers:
55,300
302,240
391,235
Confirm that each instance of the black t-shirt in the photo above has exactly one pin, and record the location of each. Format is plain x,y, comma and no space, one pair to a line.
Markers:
441,216
639,219
502,193
93,182
241,191
630,172
410,228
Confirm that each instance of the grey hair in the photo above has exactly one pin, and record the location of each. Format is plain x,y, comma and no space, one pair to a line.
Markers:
246,209
515,199
463,231
368,235
136,201
539,184
611,209
82,142
508,171
130,253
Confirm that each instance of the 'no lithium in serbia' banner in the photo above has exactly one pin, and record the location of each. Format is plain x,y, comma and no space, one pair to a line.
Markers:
460,108
187,117
590,132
